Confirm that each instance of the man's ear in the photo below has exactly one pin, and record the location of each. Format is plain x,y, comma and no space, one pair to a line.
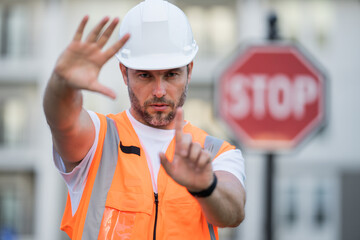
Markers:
189,70
124,73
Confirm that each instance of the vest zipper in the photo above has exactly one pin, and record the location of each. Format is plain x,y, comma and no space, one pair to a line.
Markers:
156,213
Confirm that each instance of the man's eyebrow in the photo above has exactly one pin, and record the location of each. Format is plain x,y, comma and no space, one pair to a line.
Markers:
178,70
139,70
175,69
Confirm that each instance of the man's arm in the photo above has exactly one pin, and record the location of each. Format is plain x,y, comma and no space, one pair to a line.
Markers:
71,127
77,68
191,167
225,206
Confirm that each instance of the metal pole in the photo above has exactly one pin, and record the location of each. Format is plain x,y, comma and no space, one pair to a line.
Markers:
272,35
269,178
272,22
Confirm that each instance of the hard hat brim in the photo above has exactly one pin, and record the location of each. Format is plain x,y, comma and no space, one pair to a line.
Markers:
157,61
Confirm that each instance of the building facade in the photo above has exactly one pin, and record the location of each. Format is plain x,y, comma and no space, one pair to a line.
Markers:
316,193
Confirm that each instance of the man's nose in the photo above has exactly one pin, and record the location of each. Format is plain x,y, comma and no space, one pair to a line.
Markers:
159,88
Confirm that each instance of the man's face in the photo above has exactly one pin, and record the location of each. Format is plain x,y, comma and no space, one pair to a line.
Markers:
155,94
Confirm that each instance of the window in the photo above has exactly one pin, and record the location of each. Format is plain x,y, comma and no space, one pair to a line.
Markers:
15,29
16,115
17,205
12,121
214,25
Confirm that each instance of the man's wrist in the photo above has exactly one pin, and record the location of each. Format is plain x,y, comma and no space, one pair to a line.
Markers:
207,192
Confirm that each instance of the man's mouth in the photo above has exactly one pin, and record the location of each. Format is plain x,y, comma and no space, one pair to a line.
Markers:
159,106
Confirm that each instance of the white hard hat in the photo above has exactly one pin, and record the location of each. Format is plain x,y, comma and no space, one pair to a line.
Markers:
160,37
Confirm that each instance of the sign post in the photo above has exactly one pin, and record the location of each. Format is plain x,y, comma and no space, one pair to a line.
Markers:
270,162
272,96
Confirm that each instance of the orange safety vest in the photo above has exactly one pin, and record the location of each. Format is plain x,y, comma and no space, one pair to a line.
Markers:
118,201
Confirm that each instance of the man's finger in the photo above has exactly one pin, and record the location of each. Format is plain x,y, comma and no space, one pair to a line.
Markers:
178,126
80,29
204,159
165,163
185,146
93,35
109,53
107,33
195,152
97,87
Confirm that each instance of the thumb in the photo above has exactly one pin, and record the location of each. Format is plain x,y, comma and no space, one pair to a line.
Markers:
97,87
165,163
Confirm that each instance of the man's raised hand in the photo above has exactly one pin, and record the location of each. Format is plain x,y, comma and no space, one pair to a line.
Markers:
191,165
80,64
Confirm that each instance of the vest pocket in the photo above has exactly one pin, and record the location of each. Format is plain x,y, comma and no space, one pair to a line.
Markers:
124,213
130,201
116,224
183,218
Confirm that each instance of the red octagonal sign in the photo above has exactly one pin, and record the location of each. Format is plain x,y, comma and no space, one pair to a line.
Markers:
272,96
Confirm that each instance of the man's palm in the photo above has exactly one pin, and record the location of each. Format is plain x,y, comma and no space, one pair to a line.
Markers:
81,62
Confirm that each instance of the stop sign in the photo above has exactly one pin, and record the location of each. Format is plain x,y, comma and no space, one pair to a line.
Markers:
272,96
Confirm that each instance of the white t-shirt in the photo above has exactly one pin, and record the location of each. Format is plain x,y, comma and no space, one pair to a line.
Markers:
153,141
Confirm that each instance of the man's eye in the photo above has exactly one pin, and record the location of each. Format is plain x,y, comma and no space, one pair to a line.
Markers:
171,74
144,75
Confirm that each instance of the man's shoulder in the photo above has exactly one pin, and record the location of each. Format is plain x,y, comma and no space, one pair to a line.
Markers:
101,120
190,128
199,135
119,115
109,115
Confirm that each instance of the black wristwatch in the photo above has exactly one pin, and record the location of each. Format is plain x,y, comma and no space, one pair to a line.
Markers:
207,192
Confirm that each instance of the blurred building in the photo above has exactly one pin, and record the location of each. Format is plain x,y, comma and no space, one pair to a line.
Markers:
316,187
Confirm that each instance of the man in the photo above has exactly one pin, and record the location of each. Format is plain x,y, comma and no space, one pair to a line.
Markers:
144,173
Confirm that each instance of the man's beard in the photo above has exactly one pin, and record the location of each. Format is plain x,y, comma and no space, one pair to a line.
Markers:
158,119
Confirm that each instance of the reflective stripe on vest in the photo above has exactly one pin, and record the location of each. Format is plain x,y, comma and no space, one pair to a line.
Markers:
213,145
102,182
212,233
